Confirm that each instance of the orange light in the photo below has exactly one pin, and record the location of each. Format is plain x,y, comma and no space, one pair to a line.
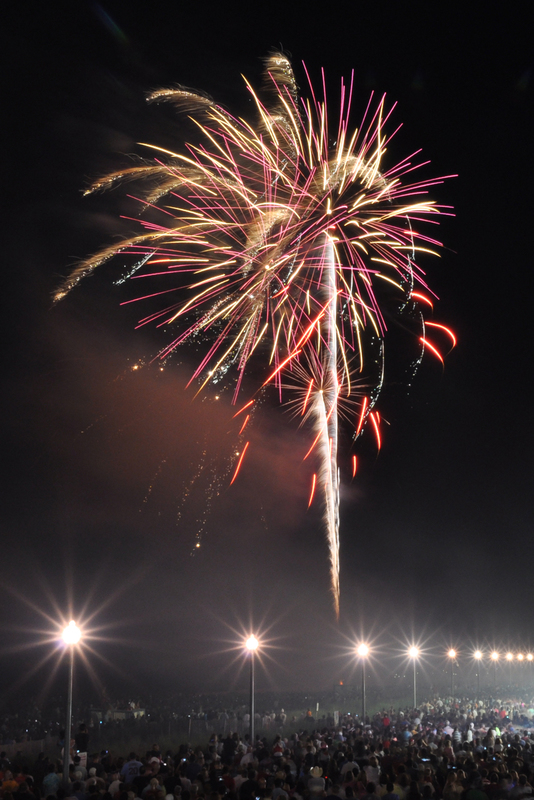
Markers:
239,463
309,330
242,409
282,365
307,397
443,328
313,445
422,297
431,348
314,481
377,429
243,426
362,415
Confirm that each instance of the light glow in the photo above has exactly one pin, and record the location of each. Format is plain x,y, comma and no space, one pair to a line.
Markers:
252,643
71,634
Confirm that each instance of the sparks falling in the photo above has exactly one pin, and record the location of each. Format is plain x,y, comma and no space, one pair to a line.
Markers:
276,241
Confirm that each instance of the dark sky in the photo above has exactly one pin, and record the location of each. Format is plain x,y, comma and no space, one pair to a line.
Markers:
436,533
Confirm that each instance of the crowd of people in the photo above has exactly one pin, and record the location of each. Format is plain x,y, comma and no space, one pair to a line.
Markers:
440,751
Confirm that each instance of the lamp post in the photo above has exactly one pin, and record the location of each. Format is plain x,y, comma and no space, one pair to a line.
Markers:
452,656
520,658
252,645
510,658
413,652
478,655
363,652
494,658
71,636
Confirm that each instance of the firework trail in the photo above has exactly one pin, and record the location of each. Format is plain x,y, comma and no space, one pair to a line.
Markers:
325,408
285,241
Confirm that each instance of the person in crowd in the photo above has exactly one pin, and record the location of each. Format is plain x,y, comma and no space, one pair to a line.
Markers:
51,782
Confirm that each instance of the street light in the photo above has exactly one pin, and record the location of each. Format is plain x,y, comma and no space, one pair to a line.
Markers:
413,652
363,652
478,655
252,645
71,636
452,656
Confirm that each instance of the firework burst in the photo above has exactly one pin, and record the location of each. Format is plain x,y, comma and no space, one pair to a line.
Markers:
277,241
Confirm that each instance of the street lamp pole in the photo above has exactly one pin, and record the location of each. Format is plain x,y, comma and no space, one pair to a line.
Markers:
71,636
252,645
478,656
452,656
413,652
495,658
520,658
509,658
68,723
252,709
363,652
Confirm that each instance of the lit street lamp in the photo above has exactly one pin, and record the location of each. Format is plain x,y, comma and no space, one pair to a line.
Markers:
252,645
478,655
452,656
363,652
413,652
71,636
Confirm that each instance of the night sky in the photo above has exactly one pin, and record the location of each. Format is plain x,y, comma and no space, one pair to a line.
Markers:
436,532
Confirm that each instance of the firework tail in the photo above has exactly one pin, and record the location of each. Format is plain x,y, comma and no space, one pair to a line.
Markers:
326,418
